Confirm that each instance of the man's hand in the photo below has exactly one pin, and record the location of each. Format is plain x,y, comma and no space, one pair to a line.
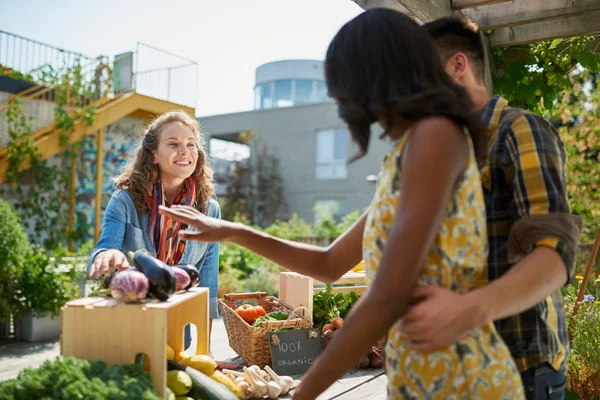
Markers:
441,317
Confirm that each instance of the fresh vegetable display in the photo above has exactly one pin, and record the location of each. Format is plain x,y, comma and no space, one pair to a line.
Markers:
129,286
182,279
70,378
274,316
327,306
374,359
160,275
255,383
201,386
192,273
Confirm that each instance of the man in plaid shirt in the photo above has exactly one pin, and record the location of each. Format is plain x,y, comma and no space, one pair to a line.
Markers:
532,234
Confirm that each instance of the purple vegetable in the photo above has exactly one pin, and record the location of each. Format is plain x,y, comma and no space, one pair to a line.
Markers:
129,286
182,278
376,358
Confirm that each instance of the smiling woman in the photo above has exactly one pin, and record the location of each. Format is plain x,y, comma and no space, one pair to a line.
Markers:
169,168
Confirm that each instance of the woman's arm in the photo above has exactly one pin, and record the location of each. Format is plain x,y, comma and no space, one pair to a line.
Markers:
325,264
111,241
436,157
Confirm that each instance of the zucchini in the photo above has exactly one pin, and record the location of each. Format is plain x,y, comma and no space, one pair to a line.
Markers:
203,387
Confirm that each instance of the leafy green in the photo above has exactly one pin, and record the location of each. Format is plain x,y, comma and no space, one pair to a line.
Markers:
72,379
273,316
328,305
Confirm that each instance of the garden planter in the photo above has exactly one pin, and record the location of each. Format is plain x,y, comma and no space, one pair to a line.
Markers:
36,329
11,85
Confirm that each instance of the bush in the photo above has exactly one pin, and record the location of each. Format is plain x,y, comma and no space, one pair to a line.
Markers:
14,246
584,332
44,287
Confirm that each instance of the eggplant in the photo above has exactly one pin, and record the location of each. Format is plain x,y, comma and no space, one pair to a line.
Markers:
108,279
160,275
192,272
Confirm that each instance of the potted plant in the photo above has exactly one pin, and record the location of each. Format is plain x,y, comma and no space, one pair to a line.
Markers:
14,244
43,289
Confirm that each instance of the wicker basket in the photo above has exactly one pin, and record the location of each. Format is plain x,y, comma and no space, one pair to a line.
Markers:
252,343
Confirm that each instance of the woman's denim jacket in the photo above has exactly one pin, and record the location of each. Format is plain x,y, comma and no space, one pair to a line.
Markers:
125,229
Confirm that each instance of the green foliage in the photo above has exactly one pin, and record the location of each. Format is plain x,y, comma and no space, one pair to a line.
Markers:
584,332
11,73
328,305
255,188
578,114
45,287
43,204
292,229
558,79
328,228
532,76
70,379
241,270
14,245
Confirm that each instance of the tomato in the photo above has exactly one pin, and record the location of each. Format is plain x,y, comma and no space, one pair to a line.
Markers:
247,313
260,311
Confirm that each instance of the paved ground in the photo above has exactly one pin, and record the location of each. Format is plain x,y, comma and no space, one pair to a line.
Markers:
356,385
16,356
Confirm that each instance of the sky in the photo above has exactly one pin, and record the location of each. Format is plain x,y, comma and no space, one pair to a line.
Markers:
227,38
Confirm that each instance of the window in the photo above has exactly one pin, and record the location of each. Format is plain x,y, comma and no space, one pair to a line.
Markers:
331,154
283,94
303,91
257,97
320,94
329,207
267,96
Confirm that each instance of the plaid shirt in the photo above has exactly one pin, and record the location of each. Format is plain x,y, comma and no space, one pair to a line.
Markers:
525,175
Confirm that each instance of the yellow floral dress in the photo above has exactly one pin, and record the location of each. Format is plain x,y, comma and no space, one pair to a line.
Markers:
479,366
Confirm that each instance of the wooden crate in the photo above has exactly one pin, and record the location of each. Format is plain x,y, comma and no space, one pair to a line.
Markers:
298,290
100,328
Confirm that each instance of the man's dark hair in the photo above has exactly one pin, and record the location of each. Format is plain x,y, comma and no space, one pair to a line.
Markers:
458,35
382,63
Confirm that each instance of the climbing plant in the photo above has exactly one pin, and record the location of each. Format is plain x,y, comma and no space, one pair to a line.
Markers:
41,193
558,79
533,76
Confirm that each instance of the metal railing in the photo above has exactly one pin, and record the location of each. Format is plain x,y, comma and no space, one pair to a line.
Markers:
30,56
50,70
166,76
40,102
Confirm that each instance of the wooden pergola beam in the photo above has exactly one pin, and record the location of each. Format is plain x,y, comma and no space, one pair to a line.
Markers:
462,4
585,24
428,10
520,12
422,10
392,4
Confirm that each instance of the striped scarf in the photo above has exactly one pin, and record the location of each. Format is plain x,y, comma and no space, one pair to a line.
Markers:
163,230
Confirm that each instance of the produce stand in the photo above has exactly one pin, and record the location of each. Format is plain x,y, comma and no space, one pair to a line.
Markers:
298,290
101,328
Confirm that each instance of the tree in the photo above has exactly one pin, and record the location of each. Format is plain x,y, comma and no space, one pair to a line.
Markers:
255,187
558,79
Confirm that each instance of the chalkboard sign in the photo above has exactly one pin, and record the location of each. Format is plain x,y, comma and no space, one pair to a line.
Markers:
293,352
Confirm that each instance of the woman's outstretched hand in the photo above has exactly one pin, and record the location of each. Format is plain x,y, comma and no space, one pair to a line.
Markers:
108,261
208,229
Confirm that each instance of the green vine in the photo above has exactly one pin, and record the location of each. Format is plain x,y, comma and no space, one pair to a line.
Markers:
533,76
41,194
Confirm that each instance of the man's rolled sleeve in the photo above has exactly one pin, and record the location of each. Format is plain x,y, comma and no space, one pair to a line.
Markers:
533,161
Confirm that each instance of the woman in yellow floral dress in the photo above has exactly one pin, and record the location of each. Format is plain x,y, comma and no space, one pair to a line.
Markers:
425,225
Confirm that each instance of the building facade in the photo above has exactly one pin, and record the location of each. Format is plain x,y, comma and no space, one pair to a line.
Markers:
299,124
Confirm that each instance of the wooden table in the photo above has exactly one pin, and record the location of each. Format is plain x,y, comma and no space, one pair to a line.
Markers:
356,385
